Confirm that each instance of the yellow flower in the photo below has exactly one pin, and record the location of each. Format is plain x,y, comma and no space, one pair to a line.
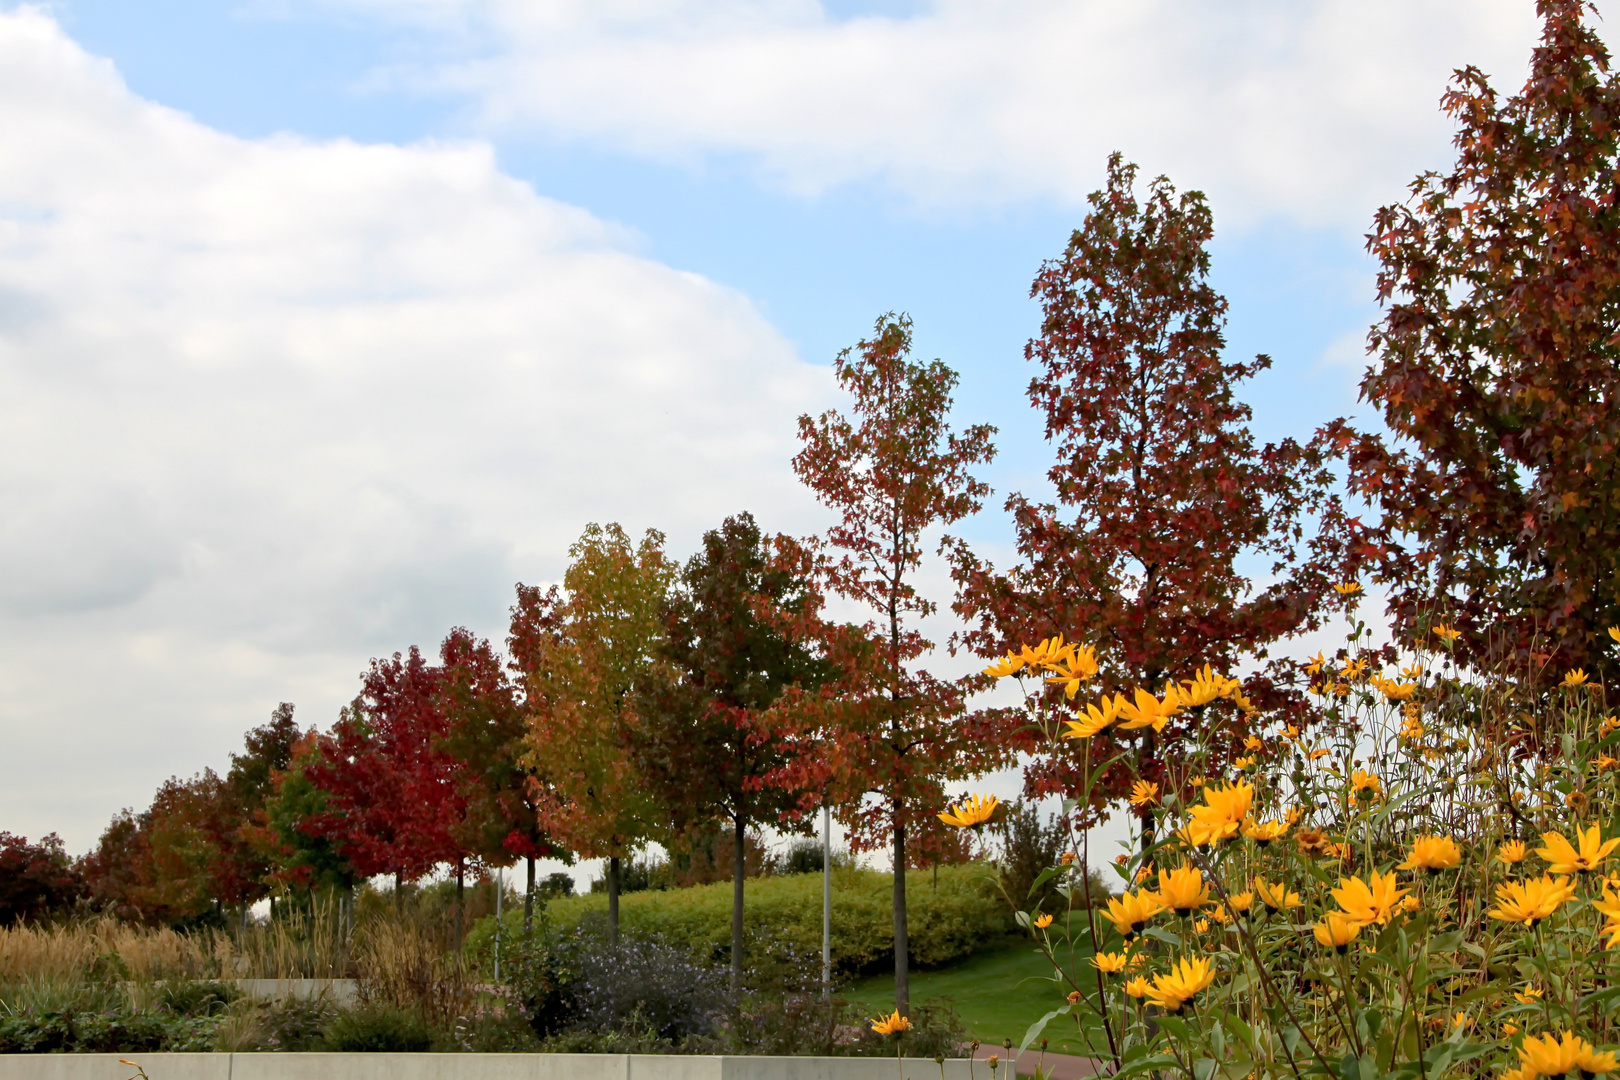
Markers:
1291,733
1612,930
1604,762
1528,996
893,1024
1219,916
1294,816
1206,687
1574,677
1347,588
1042,921
1183,982
1318,755
1336,931
1144,793
1276,897
1131,911
971,811
1149,711
1201,926
1508,1031
1608,724
1432,853
1549,1055
1365,785
1590,1061
1446,633
1109,963
1614,632
1225,806
1096,719
1182,890
1243,762
1589,850
1137,987
1078,667
1369,902
1240,902
1530,901
1264,832
1398,691
1048,653
1252,743
1316,664
1413,730
1244,703
1011,664
1512,852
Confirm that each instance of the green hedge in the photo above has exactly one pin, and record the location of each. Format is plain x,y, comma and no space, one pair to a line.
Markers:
947,920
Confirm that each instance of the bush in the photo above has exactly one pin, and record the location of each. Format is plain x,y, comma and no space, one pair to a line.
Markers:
947,921
377,1029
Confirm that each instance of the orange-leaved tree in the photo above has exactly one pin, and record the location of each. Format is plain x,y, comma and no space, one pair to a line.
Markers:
1164,499
580,655
893,470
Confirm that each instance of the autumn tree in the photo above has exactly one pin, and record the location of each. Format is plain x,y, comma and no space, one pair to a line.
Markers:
485,731
579,676
892,471
391,800
708,741
1164,500
293,829
36,880
1496,366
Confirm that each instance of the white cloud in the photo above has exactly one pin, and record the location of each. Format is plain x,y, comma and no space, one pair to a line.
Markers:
268,408
1315,111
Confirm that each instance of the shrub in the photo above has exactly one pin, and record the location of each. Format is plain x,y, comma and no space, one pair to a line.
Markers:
377,1029
947,921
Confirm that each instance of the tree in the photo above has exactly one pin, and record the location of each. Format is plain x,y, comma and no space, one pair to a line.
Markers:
484,734
249,785
36,880
1163,496
579,675
290,835
1497,370
893,473
708,741
392,803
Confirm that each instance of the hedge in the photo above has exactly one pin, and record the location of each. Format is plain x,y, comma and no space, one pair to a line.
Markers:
947,920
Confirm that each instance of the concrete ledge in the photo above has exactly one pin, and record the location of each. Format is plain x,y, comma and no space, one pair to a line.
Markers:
344,992
473,1067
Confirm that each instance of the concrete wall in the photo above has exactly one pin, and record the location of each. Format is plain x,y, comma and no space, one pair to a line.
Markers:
344,992
474,1067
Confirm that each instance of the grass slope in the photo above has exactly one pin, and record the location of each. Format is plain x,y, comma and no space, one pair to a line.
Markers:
999,990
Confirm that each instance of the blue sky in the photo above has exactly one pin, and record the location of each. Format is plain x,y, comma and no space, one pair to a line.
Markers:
339,316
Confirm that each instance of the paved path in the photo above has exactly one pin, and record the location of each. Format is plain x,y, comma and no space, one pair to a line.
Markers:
1055,1066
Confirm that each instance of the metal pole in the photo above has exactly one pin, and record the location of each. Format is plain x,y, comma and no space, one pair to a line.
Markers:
826,900
500,887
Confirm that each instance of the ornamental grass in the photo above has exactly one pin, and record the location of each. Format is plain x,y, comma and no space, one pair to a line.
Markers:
1417,876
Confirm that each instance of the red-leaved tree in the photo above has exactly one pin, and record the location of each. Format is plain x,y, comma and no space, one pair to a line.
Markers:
892,471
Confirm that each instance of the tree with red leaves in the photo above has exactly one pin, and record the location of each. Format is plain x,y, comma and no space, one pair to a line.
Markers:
708,741
1497,368
893,473
484,733
392,803
36,880
1163,494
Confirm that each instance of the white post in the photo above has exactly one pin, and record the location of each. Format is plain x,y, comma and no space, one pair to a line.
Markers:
500,887
826,900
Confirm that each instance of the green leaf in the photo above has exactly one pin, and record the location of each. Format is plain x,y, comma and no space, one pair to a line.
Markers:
1035,1030
1204,1068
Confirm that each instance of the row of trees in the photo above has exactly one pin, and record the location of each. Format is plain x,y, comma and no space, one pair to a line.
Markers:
643,699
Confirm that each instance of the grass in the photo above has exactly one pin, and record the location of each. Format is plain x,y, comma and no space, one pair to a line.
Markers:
1000,991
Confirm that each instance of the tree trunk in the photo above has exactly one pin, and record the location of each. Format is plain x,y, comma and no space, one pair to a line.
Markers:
461,900
739,853
528,900
399,893
902,941
613,900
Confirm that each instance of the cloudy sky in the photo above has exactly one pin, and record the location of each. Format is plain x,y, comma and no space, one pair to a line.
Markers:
324,322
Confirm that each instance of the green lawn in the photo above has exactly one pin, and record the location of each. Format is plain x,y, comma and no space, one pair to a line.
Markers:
999,991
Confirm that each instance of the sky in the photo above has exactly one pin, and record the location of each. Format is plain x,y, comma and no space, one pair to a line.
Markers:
325,322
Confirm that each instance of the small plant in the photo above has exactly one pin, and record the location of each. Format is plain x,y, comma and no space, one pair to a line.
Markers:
377,1029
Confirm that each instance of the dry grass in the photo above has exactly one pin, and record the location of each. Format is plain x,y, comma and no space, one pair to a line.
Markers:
68,953
404,965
